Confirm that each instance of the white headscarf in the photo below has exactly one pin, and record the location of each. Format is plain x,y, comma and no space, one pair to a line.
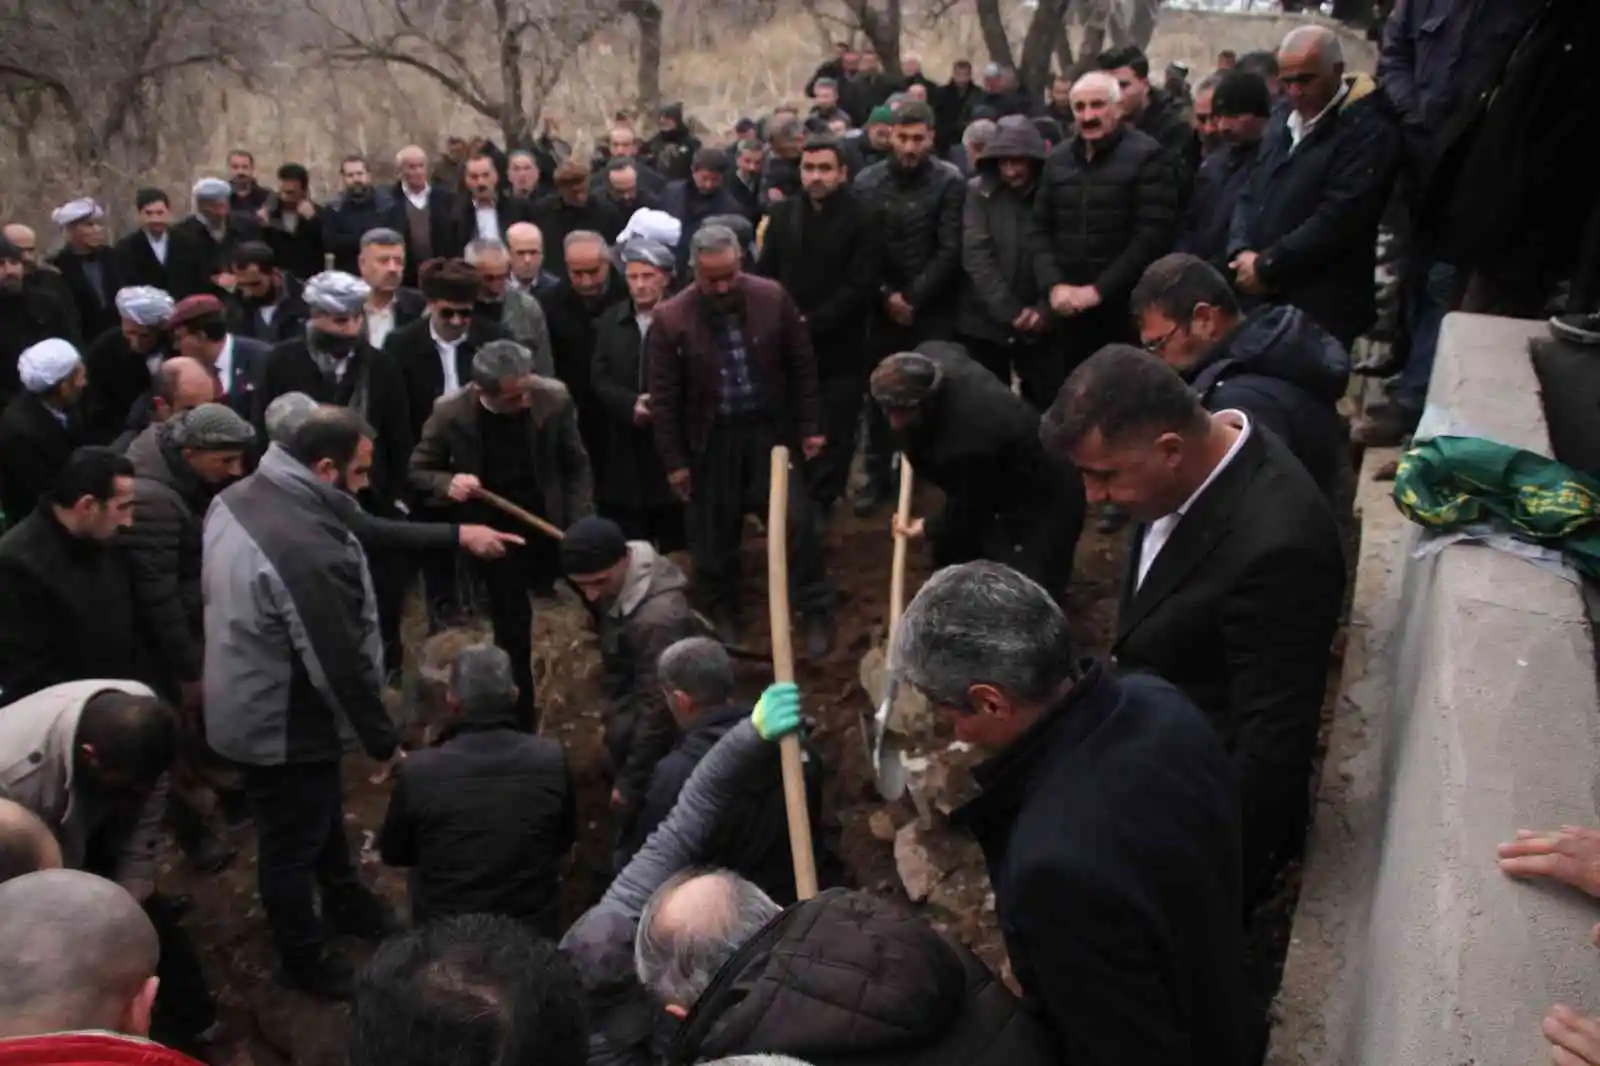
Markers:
211,189
47,364
334,292
75,211
653,225
144,305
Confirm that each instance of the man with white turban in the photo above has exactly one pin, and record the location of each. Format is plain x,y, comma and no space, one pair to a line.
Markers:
207,239
40,426
121,362
92,273
333,364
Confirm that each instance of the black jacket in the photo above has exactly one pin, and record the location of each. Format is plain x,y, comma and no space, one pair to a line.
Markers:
1111,833
1208,215
1166,120
691,207
288,320
672,154
462,228
1285,372
34,446
301,253
140,265
194,256
828,259
997,270
27,317
848,979
574,327
1102,221
97,308
1312,211
556,219
440,201
118,377
345,220
919,212
67,610
1239,610
411,349
485,819
633,475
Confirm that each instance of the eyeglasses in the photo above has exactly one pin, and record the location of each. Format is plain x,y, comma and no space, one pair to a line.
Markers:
1154,347
454,314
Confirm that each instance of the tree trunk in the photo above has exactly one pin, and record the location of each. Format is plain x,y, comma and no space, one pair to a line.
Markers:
993,25
1044,32
647,14
1094,35
1142,26
882,31
1064,60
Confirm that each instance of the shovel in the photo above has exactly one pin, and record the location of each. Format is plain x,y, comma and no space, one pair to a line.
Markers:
888,766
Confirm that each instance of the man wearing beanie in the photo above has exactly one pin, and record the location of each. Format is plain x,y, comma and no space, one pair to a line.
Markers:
1240,107
40,426
640,601
178,466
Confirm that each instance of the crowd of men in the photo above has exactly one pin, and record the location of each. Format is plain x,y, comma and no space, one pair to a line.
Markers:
232,443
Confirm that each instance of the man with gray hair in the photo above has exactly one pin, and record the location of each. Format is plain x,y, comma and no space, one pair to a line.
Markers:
517,313
974,140
483,819
384,262
590,285
514,433
752,838
1109,816
720,402
744,976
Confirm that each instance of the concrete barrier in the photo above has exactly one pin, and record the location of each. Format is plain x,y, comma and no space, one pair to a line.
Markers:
1467,711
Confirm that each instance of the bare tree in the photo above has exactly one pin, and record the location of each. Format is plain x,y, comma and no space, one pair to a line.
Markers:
878,21
647,15
501,58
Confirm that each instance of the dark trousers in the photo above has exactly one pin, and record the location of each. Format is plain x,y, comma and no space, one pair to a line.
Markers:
184,1008
299,811
392,573
731,477
829,473
508,583
1040,367
661,526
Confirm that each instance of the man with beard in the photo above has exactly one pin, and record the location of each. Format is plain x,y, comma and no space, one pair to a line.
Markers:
918,200
631,489
1003,319
92,271
42,277
951,102
513,433
1106,207
294,661
517,314
1058,105
1151,109
572,210
528,275
1241,108
122,362
27,316
699,197
621,187
247,196
1206,129
41,425
358,209
293,223
147,253
780,172
732,374
672,149
622,144
207,239
390,306
572,310
200,331
745,182
265,304
522,176
482,211
819,247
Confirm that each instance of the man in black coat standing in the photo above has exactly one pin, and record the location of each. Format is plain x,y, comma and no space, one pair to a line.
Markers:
702,195
1109,819
1242,107
92,271
590,285
573,210
821,247
28,314
1236,575
41,425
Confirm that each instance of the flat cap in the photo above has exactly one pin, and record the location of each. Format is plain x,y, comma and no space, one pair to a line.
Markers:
905,379
212,427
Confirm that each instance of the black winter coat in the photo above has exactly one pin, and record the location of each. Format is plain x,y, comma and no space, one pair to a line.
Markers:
34,446
118,377
194,256
288,320
301,253
344,221
67,610
829,260
574,324
97,308
919,212
484,820
848,979
140,265
633,475
997,271
686,203
556,219
1209,214
1287,373
672,154
1312,211
1166,119
26,318
411,349
1111,833
1102,221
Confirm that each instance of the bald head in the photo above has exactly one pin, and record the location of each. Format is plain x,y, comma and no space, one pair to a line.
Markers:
26,241
689,930
26,843
182,384
79,954
526,245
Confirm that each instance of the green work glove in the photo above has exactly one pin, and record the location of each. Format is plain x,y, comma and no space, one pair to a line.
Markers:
777,712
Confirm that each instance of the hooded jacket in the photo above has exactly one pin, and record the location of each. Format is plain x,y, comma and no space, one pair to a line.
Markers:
650,614
88,1049
998,279
849,978
1287,373
672,153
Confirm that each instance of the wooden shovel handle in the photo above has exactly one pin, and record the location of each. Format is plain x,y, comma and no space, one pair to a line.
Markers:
519,513
794,781
897,570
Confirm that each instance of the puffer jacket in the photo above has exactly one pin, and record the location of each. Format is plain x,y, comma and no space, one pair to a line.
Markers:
920,215
1166,119
650,614
1286,372
163,547
997,275
849,978
1101,221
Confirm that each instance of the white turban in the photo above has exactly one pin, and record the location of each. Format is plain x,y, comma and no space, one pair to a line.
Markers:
47,364
211,189
333,292
72,212
144,305
653,225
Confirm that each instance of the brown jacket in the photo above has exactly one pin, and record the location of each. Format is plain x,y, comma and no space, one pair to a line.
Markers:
452,444
684,367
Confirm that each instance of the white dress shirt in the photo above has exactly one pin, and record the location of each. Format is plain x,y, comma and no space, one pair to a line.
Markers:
488,223
1159,531
380,324
224,366
447,360
1299,127
419,200
158,246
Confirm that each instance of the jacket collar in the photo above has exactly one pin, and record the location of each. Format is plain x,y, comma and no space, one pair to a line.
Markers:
288,473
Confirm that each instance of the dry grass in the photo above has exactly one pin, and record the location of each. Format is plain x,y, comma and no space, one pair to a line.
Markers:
300,112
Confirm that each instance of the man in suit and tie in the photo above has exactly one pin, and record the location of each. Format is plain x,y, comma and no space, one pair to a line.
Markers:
482,209
435,352
146,253
1236,574
200,330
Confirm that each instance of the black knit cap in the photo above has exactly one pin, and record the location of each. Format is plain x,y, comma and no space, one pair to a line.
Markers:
591,545
1241,93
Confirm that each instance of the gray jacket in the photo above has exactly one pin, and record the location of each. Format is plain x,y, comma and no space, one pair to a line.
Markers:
38,736
524,320
997,275
293,659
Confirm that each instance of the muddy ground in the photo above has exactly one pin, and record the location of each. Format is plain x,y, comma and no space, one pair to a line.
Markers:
267,1025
